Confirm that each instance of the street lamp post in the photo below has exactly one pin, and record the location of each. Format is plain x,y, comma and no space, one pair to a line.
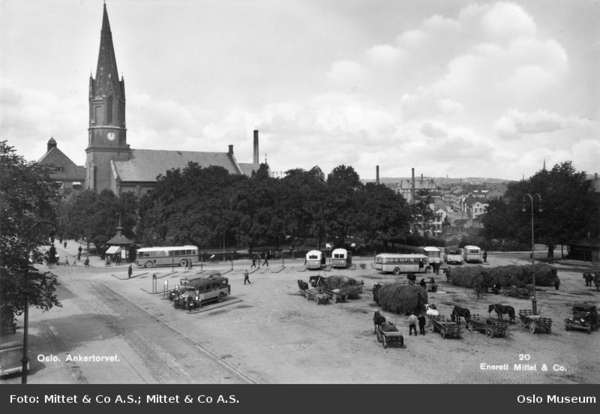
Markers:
25,359
533,299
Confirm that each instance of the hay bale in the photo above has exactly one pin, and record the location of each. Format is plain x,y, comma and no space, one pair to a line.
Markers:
335,282
353,292
469,276
401,298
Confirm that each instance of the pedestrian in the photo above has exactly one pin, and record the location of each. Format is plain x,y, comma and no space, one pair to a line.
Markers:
79,255
191,264
87,262
557,283
485,256
130,270
412,323
422,324
246,277
65,244
423,284
107,262
420,265
79,250
66,260
253,261
266,257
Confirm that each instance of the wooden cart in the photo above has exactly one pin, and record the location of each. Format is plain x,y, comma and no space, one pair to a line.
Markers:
491,327
334,295
387,337
515,292
315,295
446,328
535,323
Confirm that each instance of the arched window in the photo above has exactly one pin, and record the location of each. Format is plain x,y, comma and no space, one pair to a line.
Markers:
109,110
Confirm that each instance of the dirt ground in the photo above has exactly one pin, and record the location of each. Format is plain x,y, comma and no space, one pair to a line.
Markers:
268,333
275,335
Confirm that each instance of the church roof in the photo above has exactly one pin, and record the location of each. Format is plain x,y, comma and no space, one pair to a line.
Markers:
65,169
146,165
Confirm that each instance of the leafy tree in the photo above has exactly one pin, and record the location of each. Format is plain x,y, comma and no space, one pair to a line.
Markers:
569,208
28,205
341,202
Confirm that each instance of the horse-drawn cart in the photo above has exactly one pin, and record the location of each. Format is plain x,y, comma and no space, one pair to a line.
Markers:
445,328
535,323
516,292
491,327
315,295
334,295
387,333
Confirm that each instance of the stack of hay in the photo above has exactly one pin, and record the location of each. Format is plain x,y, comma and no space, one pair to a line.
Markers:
511,275
401,298
346,284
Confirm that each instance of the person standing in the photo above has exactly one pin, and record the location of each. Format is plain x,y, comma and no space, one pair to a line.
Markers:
130,270
266,257
485,256
246,277
421,324
66,260
557,283
253,261
79,250
412,324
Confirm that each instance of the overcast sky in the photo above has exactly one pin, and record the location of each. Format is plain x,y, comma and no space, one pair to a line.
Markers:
450,88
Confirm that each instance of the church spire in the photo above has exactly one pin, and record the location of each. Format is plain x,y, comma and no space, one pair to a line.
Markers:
544,168
107,75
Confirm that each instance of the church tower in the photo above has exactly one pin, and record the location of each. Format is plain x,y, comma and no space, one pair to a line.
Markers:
107,134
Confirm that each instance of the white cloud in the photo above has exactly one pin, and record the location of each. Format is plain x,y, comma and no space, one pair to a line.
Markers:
508,20
347,75
384,55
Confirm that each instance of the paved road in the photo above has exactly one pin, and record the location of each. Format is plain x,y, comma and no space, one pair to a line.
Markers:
95,321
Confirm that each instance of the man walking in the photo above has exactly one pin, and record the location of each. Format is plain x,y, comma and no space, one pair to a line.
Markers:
246,277
422,324
412,324
266,257
485,256
253,261
130,270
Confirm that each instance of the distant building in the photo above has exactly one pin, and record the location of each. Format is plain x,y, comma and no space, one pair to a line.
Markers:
68,175
404,187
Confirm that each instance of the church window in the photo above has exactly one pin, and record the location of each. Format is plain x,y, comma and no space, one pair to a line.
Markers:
109,110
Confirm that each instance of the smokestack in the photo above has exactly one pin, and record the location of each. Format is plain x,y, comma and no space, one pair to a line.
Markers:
255,146
413,187
377,174
231,150
421,177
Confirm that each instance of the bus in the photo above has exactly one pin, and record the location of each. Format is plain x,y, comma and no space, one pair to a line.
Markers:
471,254
315,259
402,263
341,258
166,256
434,253
207,288
454,255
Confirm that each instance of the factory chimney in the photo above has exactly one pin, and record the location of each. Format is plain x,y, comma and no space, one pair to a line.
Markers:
377,174
413,187
255,147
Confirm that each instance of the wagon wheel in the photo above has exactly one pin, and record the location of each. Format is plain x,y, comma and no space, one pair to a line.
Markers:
470,327
443,333
532,327
489,332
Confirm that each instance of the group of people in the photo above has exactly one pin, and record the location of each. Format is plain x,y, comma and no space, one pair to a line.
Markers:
412,323
256,259
76,258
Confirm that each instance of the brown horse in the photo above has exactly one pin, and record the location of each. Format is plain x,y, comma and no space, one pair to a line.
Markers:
502,310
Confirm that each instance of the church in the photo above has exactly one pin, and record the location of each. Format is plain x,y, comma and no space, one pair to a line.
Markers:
110,162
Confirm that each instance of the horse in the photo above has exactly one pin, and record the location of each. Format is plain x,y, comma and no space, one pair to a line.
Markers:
502,310
317,281
448,274
457,312
378,319
302,284
589,278
375,292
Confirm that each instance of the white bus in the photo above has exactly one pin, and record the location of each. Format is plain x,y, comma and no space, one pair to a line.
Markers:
166,256
471,254
315,259
341,258
402,263
434,254
454,255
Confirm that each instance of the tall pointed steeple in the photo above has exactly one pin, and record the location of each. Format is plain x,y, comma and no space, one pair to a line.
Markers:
544,168
107,132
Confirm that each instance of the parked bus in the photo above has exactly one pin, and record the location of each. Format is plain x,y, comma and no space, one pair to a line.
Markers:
434,253
454,255
208,288
315,259
402,263
166,256
341,258
471,254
